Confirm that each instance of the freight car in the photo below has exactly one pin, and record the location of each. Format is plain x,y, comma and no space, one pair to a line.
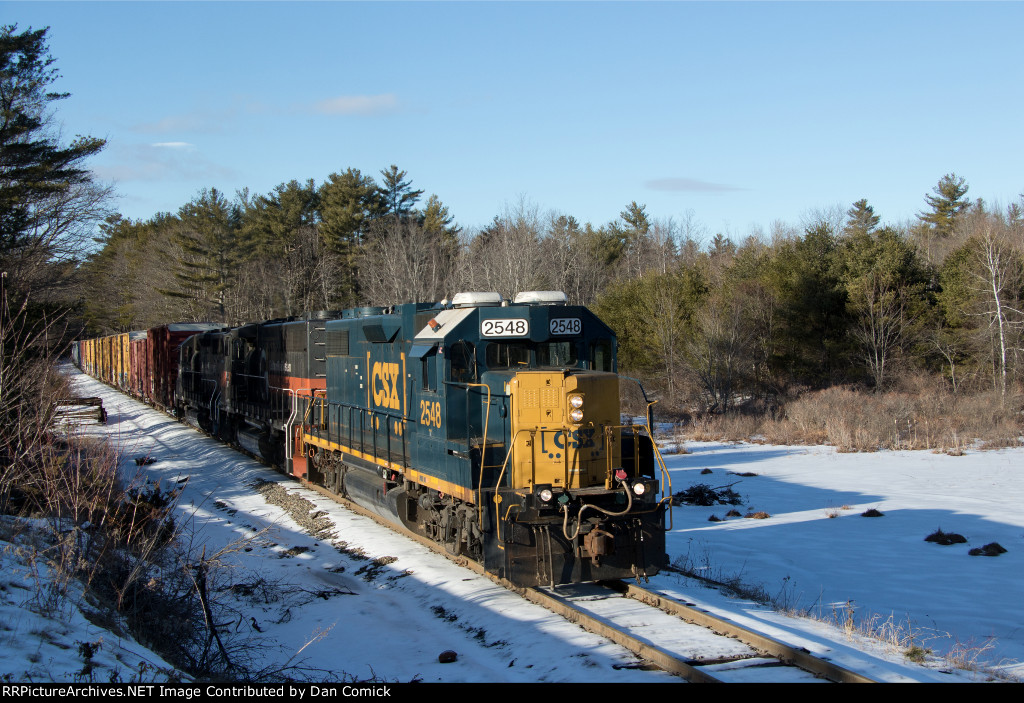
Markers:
143,363
490,427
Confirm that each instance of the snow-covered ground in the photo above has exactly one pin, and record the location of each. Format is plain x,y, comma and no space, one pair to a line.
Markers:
820,554
355,601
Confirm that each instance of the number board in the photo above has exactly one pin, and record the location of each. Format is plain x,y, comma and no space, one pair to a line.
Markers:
565,325
514,327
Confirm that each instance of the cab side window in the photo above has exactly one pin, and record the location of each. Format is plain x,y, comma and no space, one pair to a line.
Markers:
429,369
463,367
601,355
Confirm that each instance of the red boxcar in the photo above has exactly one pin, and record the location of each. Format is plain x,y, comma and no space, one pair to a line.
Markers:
163,345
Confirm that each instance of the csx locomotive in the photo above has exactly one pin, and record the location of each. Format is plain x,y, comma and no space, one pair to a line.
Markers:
492,428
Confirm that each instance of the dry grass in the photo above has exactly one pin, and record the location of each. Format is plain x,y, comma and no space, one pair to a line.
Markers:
920,416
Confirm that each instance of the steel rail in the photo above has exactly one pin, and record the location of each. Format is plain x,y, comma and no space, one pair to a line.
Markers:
762,643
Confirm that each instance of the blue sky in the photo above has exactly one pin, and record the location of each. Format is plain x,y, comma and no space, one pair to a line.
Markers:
742,113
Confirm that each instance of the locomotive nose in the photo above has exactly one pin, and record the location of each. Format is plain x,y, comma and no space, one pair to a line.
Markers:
558,423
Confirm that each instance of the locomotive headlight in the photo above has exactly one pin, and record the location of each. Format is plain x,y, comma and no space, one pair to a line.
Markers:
639,488
576,415
576,401
543,493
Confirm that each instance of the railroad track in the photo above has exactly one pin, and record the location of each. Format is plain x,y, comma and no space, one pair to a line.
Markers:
684,640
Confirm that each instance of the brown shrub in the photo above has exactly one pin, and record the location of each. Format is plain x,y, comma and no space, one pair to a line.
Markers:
921,413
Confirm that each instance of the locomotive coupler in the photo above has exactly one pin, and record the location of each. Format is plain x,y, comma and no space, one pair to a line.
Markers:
599,544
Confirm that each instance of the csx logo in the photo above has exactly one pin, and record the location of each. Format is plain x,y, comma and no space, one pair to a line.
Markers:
385,384
582,438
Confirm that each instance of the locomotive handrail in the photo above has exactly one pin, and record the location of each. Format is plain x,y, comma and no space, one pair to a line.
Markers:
497,483
665,477
666,480
335,410
483,447
289,445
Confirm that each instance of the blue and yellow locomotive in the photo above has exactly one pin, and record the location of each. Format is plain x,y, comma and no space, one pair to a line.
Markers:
491,427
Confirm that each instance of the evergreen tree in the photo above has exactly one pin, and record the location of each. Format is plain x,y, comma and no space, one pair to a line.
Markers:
947,204
349,202
861,218
652,317
269,222
112,276
885,288
436,218
48,204
286,269
48,199
635,217
813,322
632,238
397,194
208,239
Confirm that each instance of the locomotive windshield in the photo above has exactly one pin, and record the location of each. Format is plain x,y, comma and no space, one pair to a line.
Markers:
513,355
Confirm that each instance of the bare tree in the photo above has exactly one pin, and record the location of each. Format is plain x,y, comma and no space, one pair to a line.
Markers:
721,348
504,257
881,322
402,262
998,278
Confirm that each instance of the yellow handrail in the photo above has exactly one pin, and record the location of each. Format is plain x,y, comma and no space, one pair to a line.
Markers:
665,478
483,449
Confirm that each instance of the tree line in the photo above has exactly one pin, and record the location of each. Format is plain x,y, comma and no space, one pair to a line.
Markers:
842,300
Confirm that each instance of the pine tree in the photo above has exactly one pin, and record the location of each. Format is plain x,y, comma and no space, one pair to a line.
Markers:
48,203
946,205
349,202
48,199
861,218
208,240
885,286
398,195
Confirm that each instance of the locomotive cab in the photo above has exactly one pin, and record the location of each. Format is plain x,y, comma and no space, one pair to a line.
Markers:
569,493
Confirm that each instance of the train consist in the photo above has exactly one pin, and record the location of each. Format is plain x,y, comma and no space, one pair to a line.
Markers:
491,427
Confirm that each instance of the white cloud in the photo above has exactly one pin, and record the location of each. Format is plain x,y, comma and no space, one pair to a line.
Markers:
174,145
357,104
